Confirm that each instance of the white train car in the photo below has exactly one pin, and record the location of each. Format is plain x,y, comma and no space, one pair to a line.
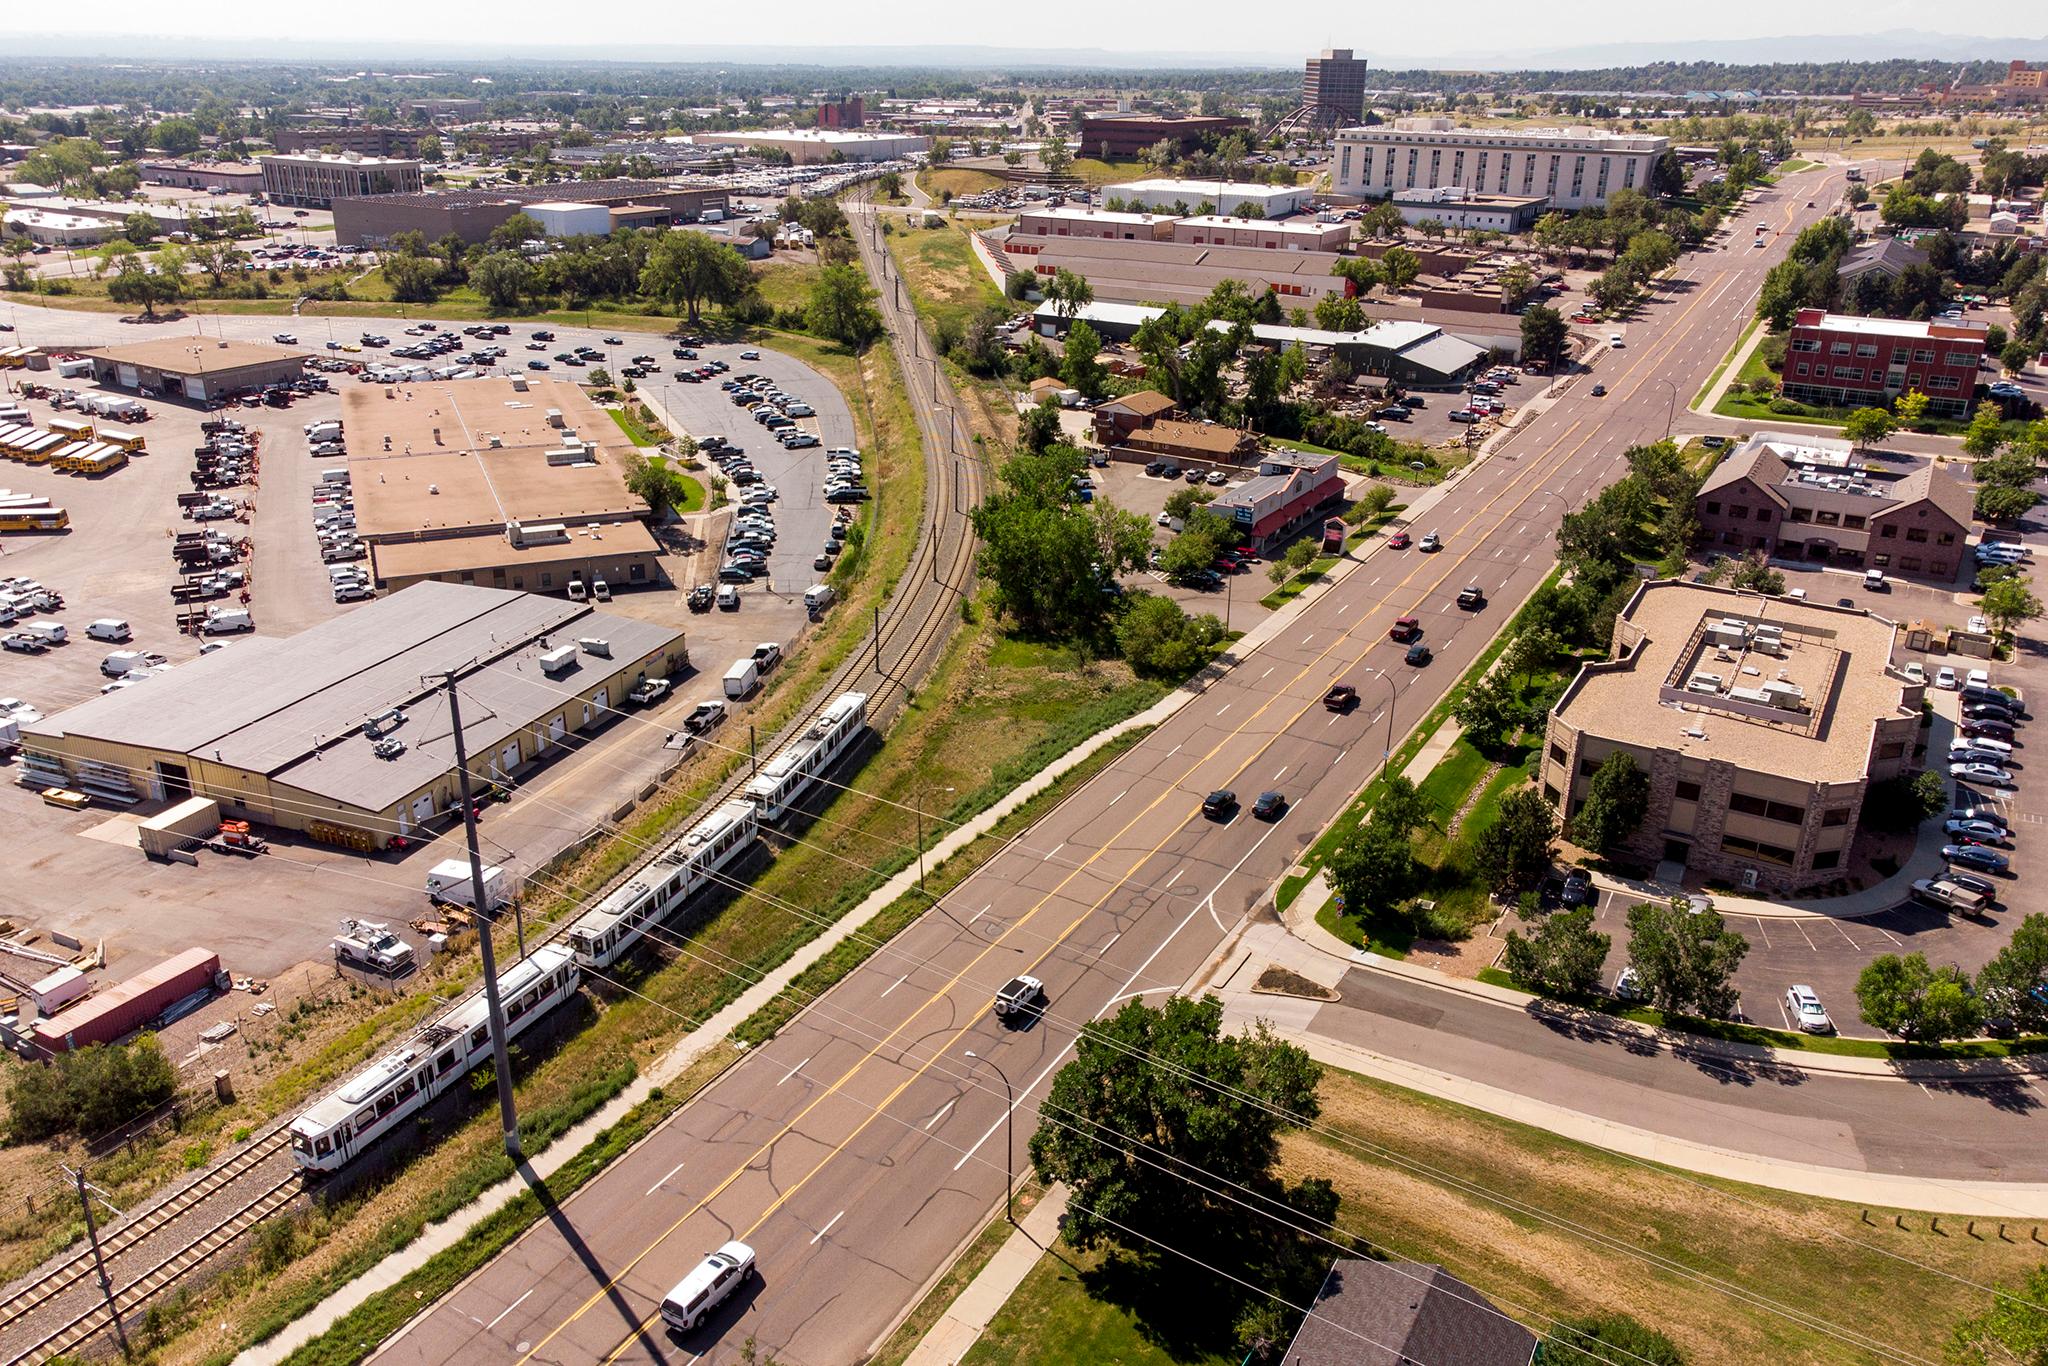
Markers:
784,779
374,1102
602,935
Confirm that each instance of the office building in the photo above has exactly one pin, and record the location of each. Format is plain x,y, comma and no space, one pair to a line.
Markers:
1333,88
1812,498
55,229
1463,210
1834,360
1114,136
1183,197
341,731
442,109
1573,168
1760,721
472,215
315,180
1418,353
1067,221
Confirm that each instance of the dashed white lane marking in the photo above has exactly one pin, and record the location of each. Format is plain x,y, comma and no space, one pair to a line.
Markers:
828,1227
664,1180
900,980
506,1310
794,1070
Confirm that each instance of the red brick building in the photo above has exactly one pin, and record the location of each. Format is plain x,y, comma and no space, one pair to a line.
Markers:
1833,360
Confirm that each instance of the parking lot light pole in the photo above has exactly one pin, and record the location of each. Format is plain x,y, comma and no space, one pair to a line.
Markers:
1009,1138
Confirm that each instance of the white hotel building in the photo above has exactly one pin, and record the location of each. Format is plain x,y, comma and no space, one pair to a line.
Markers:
1574,168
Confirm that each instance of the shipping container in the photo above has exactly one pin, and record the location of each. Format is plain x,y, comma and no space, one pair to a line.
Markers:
127,1006
195,818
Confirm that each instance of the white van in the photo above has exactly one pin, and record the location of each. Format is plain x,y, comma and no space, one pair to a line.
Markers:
742,678
49,632
817,598
710,1285
109,628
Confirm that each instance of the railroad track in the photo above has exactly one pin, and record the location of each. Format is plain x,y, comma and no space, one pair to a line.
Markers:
137,1292
61,1276
907,643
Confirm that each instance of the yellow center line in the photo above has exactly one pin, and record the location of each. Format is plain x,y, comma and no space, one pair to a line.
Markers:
1452,564
876,1111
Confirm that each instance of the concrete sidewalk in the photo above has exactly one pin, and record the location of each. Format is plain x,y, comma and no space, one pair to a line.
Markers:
968,1316
687,1050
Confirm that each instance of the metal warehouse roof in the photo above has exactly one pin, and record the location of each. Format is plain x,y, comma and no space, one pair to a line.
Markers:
293,708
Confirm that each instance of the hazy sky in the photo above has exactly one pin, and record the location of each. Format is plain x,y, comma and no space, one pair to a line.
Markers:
1219,26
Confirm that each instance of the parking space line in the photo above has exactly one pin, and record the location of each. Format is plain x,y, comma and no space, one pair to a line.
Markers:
1807,937
1762,931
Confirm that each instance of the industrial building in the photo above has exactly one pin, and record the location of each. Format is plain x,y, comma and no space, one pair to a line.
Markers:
1183,197
1760,721
383,140
196,369
1179,272
1071,221
1414,352
1464,210
1333,88
1812,498
315,180
1113,136
238,177
55,229
1267,234
1836,360
509,483
342,731
473,215
809,145
1573,168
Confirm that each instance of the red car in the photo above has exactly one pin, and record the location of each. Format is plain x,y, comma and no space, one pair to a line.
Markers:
1399,540
1246,554
1404,629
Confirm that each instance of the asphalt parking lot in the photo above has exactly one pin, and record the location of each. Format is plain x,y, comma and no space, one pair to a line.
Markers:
267,915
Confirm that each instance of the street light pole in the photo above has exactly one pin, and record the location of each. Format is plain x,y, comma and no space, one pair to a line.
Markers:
501,1063
1009,1139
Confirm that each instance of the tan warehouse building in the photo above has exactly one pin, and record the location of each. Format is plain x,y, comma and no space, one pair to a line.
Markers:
1760,721
507,483
197,369
333,733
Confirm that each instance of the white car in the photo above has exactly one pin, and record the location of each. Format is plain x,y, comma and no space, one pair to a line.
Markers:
1912,670
1990,775
1803,1007
712,1283
1945,678
285,339
1978,678
1981,743
1614,340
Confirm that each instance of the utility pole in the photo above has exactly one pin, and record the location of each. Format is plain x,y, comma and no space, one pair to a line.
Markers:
99,1265
500,1063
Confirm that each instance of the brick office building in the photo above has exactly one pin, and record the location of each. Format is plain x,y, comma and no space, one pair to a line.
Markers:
1809,498
1833,360
1333,88
473,214
317,180
1128,135
1760,721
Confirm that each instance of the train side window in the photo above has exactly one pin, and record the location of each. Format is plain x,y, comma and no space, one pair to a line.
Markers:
321,1147
365,1118
406,1089
447,1060
478,1035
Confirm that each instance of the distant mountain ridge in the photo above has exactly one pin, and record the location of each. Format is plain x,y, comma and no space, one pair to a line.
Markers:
1816,48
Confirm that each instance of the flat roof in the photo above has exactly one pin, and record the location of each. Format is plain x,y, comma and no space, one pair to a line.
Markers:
1213,190
1893,327
193,355
453,554
1077,214
1307,227
292,708
407,480
1837,657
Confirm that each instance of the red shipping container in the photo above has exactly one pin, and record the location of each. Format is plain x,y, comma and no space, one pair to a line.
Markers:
128,1005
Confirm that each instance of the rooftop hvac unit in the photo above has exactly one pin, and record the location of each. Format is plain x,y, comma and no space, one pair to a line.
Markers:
558,659
383,722
595,645
554,417
389,748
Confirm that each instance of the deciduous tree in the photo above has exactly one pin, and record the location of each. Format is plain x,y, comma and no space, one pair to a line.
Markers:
1515,851
1685,959
842,307
1904,996
1563,957
1617,799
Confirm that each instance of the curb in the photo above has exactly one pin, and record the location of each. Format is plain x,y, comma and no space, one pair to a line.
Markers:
1679,1042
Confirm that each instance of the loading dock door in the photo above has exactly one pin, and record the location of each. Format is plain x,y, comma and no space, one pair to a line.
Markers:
557,728
423,808
508,759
